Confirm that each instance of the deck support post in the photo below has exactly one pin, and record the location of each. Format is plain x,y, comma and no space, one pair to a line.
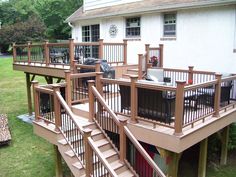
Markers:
190,75
172,161
147,46
14,53
88,153
224,145
133,99
68,88
36,99
140,66
58,162
179,108
217,96
99,84
202,158
100,52
161,47
123,123
28,86
91,100
125,51
71,54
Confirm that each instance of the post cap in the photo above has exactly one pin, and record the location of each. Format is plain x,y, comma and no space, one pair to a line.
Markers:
35,82
55,86
180,82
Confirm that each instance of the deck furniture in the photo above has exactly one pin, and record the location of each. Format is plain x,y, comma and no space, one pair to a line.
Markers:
152,104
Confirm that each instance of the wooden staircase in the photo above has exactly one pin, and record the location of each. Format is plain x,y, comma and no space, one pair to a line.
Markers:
103,144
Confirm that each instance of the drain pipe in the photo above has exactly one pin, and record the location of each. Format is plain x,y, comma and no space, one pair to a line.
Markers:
70,24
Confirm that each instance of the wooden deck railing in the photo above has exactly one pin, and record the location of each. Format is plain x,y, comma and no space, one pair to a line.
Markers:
69,53
175,106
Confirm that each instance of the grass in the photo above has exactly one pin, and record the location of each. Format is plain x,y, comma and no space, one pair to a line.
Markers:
29,155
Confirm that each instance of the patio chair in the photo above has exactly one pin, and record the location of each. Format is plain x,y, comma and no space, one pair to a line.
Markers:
152,104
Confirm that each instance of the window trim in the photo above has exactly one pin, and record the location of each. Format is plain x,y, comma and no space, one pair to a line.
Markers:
130,36
90,32
171,37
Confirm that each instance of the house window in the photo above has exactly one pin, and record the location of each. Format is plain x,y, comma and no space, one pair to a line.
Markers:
133,27
169,25
90,33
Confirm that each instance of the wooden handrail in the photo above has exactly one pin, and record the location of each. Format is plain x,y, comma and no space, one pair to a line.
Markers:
85,66
196,86
101,158
143,152
58,44
21,45
86,43
44,90
82,75
68,111
154,86
105,105
115,81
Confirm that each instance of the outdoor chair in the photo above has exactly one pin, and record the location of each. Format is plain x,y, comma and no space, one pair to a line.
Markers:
152,104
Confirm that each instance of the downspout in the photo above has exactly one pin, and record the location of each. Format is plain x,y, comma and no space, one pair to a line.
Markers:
69,23
234,45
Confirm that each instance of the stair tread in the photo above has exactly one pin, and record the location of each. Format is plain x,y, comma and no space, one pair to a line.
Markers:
126,173
70,153
116,164
96,132
62,142
109,153
77,165
101,142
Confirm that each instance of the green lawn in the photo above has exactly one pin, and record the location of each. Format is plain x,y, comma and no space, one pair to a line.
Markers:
31,156
27,155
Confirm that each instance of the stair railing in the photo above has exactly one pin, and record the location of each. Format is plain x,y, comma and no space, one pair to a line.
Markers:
123,131
80,140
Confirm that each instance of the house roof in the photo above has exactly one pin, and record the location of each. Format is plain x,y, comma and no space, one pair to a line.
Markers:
145,6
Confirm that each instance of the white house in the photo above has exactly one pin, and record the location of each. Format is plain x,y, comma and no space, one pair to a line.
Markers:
201,33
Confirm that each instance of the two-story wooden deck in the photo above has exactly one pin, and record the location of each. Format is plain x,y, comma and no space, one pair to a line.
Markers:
123,126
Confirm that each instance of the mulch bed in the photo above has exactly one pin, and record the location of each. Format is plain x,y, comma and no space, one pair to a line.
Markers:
5,136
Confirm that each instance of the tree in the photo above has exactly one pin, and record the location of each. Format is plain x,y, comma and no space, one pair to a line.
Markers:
31,30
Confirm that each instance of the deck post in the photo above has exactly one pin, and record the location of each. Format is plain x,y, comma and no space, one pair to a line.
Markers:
140,66
179,107
172,161
123,123
202,158
57,107
98,66
161,46
125,51
91,100
29,51
100,48
58,166
147,46
133,98
46,53
190,75
224,146
71,54
99,84
14,52
68,87
217,96
88,153
36,99
28,86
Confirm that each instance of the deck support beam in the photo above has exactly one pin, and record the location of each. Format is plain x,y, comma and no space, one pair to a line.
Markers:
172,161
29,98
58,162
202,158
224,146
